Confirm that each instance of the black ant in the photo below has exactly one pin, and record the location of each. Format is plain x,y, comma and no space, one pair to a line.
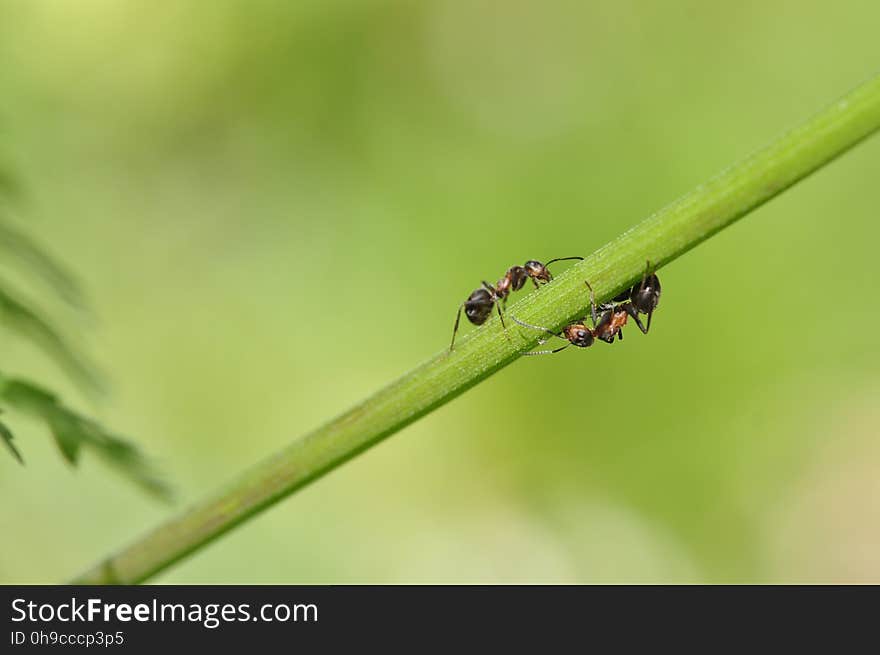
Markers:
642,298
479,304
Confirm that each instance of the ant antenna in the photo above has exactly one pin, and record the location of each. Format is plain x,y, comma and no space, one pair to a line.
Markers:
547,352
543,329
558,259
562,259
537,327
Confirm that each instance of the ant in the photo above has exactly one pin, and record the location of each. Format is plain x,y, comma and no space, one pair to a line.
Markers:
479,304
606,327
642,298
638,299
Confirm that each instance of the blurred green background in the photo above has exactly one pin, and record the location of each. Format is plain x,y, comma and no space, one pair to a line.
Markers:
276,208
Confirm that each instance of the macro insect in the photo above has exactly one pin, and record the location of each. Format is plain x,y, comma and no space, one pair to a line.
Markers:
609,320
478,305
642,298
606,327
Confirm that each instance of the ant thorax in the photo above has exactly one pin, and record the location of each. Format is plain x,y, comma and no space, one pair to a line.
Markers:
611,321
513,280
478,306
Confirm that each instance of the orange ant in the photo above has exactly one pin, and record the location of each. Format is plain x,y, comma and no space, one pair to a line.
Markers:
479,304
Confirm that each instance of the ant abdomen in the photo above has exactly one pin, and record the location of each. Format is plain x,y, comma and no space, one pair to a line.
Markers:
478,306
646,296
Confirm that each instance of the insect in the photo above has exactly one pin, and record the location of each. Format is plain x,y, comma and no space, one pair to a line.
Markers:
642,298
606,327
608,322
478,305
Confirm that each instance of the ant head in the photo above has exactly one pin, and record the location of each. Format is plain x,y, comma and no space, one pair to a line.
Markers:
579,335
537,271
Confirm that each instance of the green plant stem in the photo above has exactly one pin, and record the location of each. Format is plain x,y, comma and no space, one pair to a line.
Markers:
661,238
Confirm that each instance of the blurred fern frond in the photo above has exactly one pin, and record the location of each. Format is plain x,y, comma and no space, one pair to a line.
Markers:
17,244
71,431
6,435
30,325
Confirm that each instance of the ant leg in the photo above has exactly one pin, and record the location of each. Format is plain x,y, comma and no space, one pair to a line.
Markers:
547,352
620,335
455,329
651,313
634,315
501,316
497,300
535,282
592,304
645,274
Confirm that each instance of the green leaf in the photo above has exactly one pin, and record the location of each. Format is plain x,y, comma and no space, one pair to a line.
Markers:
56,276
6,436
66,435
73,432
30,325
